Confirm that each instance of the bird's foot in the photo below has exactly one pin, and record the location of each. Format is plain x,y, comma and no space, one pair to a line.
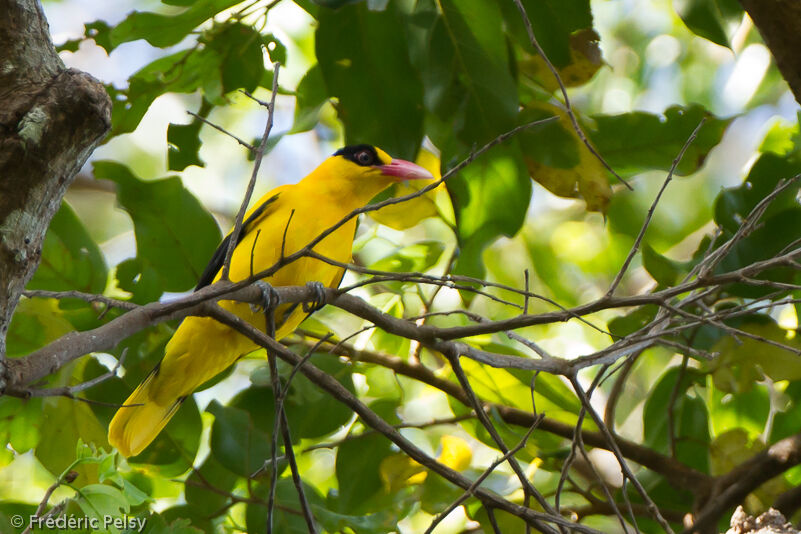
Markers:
269,298
319,297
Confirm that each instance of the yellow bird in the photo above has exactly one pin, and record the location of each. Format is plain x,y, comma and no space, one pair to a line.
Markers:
289,216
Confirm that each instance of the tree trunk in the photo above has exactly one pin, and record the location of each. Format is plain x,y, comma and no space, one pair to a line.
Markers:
779,22
51,118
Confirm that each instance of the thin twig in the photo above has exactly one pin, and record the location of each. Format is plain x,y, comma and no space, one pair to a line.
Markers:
259,156
223,130
568,106
627,474
70,391
66,478
80,295
286,229
487,472
525,301
340,393
671,407
365,433
453,358
404,198
617,390
636,246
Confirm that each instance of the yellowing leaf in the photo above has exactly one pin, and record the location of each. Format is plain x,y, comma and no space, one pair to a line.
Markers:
575,171
585,60
456,453
730,449
398,470
744,361
432,204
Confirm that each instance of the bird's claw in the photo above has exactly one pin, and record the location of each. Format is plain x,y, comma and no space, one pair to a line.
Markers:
269,298
319,297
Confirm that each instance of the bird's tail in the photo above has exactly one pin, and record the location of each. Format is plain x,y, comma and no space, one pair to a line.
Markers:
141,418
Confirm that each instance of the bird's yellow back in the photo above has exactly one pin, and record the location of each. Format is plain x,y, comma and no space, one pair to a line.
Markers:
284,221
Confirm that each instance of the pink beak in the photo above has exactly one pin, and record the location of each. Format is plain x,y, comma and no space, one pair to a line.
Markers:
405,170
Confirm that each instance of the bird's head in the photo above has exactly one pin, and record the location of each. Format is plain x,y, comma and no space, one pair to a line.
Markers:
357,173
370,161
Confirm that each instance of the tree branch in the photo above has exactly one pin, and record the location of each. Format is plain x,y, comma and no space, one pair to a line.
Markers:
51,119
734,486
370,418
778,22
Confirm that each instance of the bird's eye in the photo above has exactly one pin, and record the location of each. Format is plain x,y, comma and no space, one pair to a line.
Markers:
364,157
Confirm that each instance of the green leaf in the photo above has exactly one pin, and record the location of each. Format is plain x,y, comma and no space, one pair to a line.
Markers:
184,71
411,258
164,30
690,419
311,412
71,260
236,441
357,469
157,524
553,21
335,4
9,510
70,45
785,422
550,144
20,422
174,449
35,323
365,64
199,496
239,48
490,198
140,279
731,448
184,513
703,18
64,423
133,495
471,35
513,388
275,48
744,360
779,139
665,271
287,518
735,204
437,494
767,241
376,523
505,521
100,501
558,159
635,142
184,146
746,410
175,235
311,95
100,32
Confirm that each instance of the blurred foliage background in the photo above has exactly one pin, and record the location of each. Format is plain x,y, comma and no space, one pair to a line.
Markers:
426,80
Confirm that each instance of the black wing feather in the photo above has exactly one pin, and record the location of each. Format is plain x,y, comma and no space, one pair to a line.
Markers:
216,262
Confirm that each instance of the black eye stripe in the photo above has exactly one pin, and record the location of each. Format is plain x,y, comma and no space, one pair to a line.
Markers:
364,155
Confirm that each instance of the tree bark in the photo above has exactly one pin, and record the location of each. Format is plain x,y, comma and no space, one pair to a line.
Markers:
779,23
51,119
